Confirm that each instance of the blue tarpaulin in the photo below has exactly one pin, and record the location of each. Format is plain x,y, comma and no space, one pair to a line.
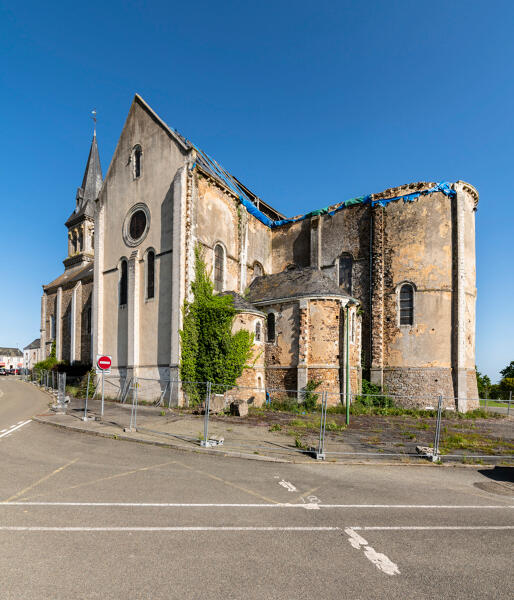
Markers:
216,169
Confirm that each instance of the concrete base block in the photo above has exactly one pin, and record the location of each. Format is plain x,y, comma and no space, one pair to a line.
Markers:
239,408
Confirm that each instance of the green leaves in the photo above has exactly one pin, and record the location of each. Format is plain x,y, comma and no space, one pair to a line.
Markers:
210,352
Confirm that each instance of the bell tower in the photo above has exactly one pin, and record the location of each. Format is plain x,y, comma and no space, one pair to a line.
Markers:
81,222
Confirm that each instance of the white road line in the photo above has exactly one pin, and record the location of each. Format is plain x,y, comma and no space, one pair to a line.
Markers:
288,485
435,528
19,422
36,528
262,505
3,430
381,561
15,427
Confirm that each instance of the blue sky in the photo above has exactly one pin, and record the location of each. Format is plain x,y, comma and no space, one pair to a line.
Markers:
307,103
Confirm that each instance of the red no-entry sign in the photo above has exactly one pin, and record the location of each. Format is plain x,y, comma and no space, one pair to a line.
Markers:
103,362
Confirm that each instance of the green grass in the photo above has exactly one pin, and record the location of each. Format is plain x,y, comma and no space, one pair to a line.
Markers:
495,403
73,391
475,442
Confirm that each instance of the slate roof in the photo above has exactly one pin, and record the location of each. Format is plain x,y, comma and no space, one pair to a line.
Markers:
71,275
242,305
33,345
91,184
10,352
293,283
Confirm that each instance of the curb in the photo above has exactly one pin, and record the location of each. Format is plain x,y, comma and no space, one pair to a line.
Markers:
242,455
126,438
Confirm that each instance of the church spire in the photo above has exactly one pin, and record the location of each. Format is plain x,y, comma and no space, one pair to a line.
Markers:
88,192
92,180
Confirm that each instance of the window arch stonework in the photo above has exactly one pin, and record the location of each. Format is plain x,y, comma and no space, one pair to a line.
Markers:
123,294
406,295
219,267
258,270
150,274
345,272
258,331
271,327
137,161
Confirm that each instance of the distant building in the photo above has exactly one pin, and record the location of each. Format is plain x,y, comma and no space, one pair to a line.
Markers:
32,354
11,358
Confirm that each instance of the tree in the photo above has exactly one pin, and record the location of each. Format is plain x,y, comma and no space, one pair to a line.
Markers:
506,386
483,383
210,352
508,371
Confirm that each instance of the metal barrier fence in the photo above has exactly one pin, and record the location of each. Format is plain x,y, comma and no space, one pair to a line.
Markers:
322,424
499,405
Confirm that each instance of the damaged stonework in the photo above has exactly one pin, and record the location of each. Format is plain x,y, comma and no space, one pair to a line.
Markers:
381,286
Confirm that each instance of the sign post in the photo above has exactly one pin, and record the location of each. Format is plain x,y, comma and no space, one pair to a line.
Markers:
103,366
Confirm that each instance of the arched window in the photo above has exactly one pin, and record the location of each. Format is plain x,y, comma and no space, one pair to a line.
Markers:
271,327
345,272
258,271
137,154
259,382
352,331
258,331
219,267
150,274
123,282
406,300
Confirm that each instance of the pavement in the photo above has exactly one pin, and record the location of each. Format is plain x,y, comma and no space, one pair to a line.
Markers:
264,439
83,516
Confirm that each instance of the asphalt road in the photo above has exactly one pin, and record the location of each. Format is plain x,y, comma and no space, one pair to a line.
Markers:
88,517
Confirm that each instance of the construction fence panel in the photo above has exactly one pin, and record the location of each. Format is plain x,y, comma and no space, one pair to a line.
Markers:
464,437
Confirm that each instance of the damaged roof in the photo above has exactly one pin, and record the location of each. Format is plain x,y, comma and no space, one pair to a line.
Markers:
294,282
211,167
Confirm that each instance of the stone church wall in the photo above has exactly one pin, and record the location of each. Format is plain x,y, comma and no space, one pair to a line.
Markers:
221,219
253,379
85,314
124,328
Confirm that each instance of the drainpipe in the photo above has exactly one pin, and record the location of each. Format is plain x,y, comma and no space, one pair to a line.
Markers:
347,365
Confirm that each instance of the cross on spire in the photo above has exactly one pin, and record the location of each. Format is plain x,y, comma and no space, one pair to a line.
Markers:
93,112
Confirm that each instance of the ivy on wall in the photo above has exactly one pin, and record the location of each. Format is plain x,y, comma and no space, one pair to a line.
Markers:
210,352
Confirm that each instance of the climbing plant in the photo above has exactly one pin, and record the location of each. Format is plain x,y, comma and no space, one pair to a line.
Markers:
210,352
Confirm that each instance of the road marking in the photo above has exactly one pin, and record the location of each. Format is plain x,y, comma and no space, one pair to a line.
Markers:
381,561
36,528
229,483
308,493
159,504
15,427
435,528
288,485
3,430
33,485
123,474
423,506
246,505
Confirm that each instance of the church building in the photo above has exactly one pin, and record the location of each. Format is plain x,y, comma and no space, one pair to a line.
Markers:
380,286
